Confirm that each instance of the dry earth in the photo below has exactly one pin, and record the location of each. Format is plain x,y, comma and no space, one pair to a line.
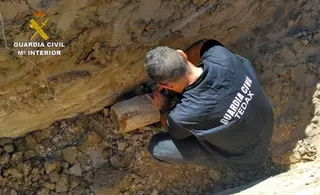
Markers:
105,45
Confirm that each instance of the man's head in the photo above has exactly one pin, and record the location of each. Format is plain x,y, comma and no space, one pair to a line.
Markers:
168,67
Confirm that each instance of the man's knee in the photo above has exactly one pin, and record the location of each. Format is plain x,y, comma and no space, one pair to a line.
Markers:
158,146
154,141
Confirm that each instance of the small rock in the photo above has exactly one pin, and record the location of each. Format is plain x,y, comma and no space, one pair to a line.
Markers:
305,42
121,145
193,190
296,157
54,176
106,153
45,177
154,192
43,191
76,170
4,159
51,166
316,37
30,154
92,139
308,158
55,130
74,182
75,130
95,154
63,184
106,112
16,157
1,150
49,186
8,148
20,144
79,190
37,135
88,177
65,171
30,141
13,192
25,167
70,154
115,161
15,173
302,150
47,143
5,141
64,165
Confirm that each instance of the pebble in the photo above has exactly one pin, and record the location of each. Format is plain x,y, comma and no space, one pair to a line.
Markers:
52,166
76,170
154,192
121,145
16,157
20,144
62,184
106,112
54,176
43,191
4,159
79,190
92,139
30,154
47,143
305,42
126,193
193,190
70,154
308,158
316,37
5,141
30,141
37,135
13,192
49,186
25,167
74,182
106,153
302,150
8,148
88,177
15,173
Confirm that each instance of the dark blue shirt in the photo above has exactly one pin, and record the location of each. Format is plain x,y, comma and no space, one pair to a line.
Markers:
225,108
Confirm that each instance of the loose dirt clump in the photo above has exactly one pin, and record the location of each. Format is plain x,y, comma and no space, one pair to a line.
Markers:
87,156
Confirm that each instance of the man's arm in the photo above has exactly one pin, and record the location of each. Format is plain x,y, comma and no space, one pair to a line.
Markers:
195,51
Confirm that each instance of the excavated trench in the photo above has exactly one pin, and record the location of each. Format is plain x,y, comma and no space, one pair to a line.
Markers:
57,136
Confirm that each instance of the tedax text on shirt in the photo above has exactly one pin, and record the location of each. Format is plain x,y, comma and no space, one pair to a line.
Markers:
240,103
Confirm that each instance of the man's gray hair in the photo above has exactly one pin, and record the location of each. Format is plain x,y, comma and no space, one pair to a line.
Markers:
164,64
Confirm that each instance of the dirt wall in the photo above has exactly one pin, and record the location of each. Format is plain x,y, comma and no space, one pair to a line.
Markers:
105,42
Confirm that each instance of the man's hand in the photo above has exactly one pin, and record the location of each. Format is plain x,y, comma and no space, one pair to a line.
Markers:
159,100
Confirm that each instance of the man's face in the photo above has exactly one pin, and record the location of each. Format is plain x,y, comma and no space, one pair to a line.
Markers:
177,86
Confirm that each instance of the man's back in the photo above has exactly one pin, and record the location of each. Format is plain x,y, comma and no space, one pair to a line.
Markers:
226,109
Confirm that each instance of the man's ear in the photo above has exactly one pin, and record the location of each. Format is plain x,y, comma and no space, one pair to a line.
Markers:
184,55
166,86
